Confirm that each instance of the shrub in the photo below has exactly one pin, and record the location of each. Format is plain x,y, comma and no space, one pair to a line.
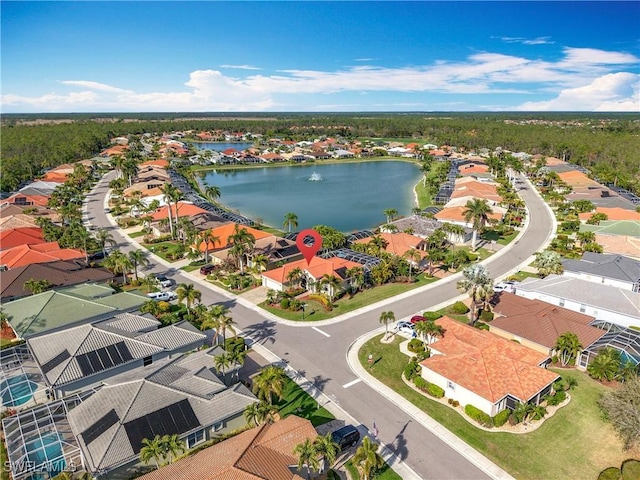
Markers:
420,383
164,306
435,391
478,415
322,300
501,417
284,303
411,370
630,469
486,316
482,326
432,315
556,399
235,344
611,473
416,345
459,308
454,403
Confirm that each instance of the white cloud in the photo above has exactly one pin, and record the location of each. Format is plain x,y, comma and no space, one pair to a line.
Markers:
525,41
614,92
241,67
584,79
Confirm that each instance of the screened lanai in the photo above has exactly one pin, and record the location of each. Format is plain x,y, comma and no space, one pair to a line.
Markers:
21,382
40,442
625,340
367,261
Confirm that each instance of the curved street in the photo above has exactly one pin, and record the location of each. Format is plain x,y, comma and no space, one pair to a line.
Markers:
319,351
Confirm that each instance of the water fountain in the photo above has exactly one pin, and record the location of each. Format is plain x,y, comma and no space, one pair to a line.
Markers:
315,177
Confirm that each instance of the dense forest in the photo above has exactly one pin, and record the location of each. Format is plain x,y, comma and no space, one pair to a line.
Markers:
607,144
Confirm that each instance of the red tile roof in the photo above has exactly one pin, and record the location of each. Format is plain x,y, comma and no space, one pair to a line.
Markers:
38,200
316,268
39,253
487,365
184,210
613,213
20,236
264,452
223,232
398,243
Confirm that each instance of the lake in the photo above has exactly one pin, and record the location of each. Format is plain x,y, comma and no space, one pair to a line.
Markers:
350,196
222,146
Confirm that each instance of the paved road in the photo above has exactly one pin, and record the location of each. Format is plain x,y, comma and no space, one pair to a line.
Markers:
320,353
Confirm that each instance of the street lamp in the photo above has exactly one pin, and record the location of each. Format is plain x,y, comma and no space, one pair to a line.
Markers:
304,305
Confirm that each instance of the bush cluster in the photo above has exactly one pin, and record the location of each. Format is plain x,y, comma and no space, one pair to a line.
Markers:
501,417
435,391
486,316
411,370
459,308
416,345
479,416
322,300
454,403
432,315
557,398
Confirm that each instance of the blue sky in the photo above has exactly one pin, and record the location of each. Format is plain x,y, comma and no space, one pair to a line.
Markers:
320,56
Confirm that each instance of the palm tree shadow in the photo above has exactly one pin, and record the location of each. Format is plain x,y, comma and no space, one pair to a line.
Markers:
261,332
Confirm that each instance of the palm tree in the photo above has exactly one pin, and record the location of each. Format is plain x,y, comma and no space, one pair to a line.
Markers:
218,318
412,256
118,262
171,194
188,293
378,243
173,446
260,262
386,317
237,358
327,449
290,221
242,242
548,262
428,329
212,193
258,413
332,283
139,258
37,286
425,168
605,365
390,213
104,238
356,277
477,284
222,362
295,276
307,456
269,382
367,459
209,239
567,347
477,213
152,449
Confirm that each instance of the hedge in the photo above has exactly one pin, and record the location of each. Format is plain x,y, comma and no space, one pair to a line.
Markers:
411,370
501,417
611,473
478,415
486,316
630,469
435,391
557,398
432,315
459,308
420,383
416,345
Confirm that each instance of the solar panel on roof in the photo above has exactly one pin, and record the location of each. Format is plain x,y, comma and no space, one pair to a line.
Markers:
55,361
105,358
176,418
100,426
85,366
124,351
94,360
115,355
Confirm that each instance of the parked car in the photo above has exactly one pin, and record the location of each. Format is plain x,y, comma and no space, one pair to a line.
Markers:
163,281
162,296
405,327
508,286
207,269
417,318
347,436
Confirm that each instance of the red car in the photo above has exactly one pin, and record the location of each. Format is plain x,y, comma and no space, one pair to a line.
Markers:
417,318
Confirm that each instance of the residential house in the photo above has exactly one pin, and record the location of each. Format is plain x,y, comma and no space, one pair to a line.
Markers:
455,215
423,227
86,356
537,324
605,269
183,397
604,302
22,255
23,199
223,234
626,245
18,220
399,244
20,236
62,273
479,368
262,452
613,214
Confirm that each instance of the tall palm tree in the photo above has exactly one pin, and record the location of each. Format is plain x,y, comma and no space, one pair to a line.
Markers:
290,221
327,449
386,317
477,213
242,243
333,284
307,456
173,446
390,213
378,243
210,240
152,450
139,258
295,276
425,168
567,347
259,262
118,262
212,193
217,317
367,459
171,194
222,362
412,256
103,238
269,382
237,358
548,262
258,413
188,293
356,277
477,284
428,329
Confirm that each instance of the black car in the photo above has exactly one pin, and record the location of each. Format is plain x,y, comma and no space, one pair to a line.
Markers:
207,269
347,436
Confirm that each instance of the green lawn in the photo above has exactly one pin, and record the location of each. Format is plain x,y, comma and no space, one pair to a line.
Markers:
136,234
163,249
296,401
574,443
492,235
385,473
424,198
346,304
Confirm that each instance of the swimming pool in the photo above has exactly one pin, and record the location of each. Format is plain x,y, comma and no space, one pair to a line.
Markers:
17,390
45,453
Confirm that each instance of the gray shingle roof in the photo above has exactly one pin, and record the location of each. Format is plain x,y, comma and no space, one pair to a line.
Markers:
174,336
611,266
128,322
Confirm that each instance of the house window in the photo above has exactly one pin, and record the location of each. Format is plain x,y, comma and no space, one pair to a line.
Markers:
147,361
217,426
561,302
583,308
195,438
451,385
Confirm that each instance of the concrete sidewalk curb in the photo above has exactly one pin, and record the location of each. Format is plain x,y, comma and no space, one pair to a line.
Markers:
470,453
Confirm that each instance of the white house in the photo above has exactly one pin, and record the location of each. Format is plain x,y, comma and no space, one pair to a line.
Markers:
605,269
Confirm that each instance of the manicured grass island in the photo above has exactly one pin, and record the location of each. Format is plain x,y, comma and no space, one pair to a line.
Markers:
574,443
